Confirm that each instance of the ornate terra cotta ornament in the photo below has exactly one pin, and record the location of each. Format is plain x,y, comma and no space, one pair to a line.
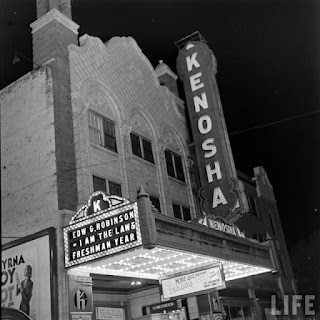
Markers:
139,123
171,141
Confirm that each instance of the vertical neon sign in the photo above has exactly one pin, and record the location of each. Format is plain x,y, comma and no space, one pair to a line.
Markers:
219,192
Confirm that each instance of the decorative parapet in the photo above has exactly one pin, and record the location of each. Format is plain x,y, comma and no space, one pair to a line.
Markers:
264,187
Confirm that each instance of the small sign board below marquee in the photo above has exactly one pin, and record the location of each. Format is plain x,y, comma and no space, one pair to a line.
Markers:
105,226
199,280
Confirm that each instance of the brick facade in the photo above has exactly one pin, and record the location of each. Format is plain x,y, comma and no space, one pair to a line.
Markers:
28,158
118,82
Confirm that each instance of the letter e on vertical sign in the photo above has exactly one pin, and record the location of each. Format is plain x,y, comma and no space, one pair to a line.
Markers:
219,193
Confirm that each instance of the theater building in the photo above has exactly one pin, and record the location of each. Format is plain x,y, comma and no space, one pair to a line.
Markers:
119,216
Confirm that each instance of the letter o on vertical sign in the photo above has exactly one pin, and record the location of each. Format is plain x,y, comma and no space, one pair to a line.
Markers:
80,300
204,129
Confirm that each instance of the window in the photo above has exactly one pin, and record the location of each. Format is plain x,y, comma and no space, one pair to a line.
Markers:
258,237
141,147
252,206
115,189
156,202
109,187
101,131
272,225
99,184
181,212
144,311
238,313
174,165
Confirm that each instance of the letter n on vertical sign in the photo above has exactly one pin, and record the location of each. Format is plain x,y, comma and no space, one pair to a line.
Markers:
219,192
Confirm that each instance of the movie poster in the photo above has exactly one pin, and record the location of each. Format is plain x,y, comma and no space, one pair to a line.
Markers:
26,277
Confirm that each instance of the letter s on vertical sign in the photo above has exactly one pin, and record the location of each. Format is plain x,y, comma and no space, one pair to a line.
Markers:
207,145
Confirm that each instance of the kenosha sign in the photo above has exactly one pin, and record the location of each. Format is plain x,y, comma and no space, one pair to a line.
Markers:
107,225
219,193
220,225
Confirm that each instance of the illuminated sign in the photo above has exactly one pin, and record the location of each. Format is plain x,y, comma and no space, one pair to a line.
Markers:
107,225
220,225
204,279
164,307
219,192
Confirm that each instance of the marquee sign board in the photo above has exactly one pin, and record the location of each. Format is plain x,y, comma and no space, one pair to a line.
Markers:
203,279
219,193
107,225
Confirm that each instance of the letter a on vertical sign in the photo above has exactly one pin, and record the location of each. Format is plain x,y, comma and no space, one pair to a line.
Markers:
219,193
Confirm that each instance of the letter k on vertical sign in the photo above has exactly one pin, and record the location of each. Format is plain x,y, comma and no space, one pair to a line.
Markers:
219,193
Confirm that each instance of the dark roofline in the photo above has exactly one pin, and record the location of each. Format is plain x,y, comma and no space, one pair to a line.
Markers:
243,176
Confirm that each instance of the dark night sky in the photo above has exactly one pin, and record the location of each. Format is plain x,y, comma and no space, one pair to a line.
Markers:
268,55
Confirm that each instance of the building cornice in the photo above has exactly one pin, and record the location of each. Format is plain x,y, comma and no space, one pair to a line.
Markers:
54,14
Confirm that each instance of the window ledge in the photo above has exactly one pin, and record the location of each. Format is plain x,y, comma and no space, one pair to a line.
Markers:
177,180
152,164
109,151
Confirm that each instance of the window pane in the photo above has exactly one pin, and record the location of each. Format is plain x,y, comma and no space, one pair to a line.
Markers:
99,184
92,120
252,206
110,142
109,135
236,313
176,211
272,225
115,189
226,313
94,129
95,136
147,150
108,127
169,162
247,312
156,202
186,214
179,168
135,143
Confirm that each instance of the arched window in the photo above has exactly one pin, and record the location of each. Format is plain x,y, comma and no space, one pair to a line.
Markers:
174,165
141,147
102,131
